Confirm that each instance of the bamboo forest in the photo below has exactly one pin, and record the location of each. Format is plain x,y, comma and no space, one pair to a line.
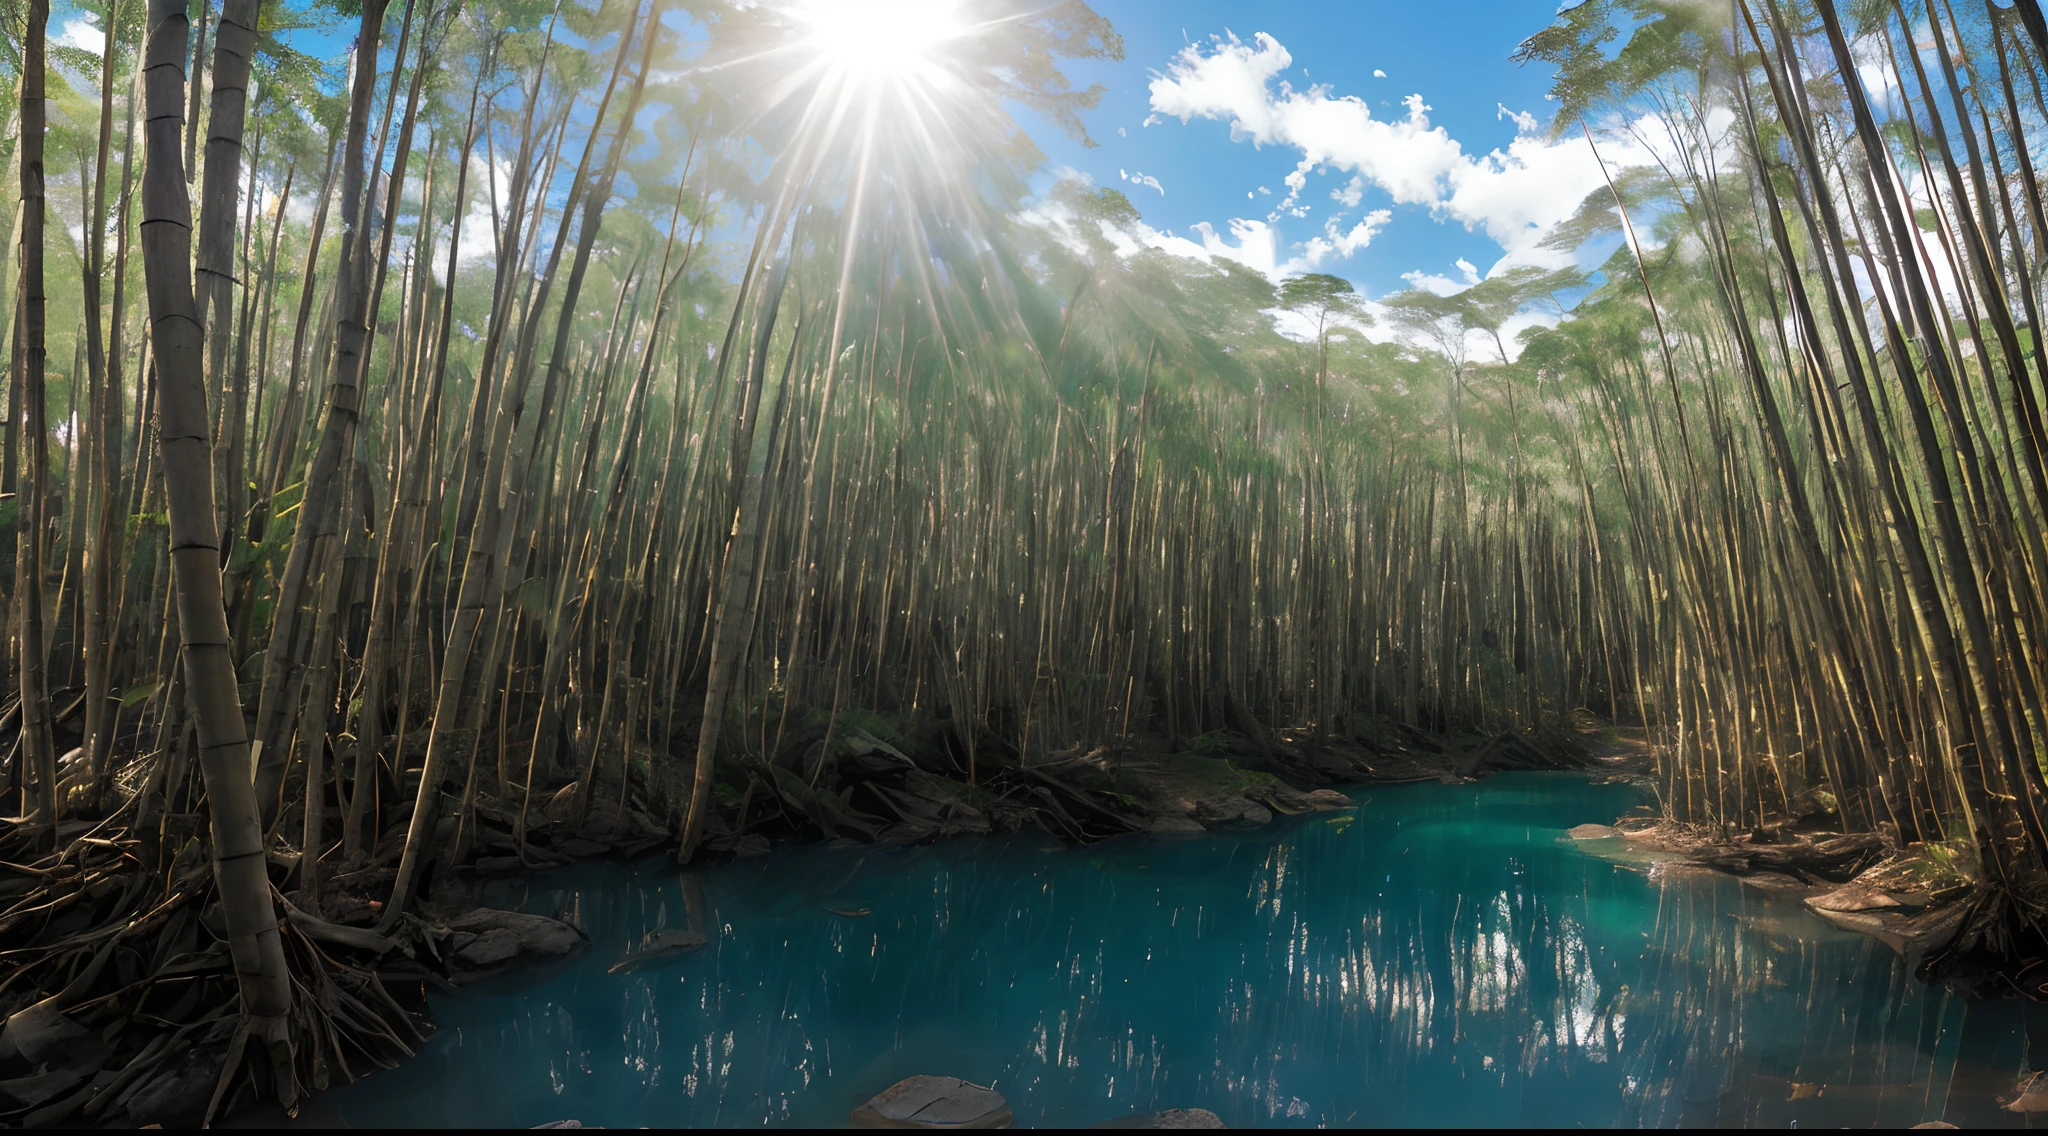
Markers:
906,563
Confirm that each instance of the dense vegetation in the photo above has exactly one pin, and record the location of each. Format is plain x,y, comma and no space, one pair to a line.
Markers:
599,408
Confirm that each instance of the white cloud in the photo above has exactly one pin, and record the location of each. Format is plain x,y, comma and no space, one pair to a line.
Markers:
1515,195
1120,133
1525,122
1146,180
479,237
1257,247
1234,83
1339,244
1251,243
1441,284
1434,282
80,33
1378,74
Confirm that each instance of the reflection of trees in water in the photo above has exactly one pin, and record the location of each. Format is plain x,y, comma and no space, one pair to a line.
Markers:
1783,1022
1495,988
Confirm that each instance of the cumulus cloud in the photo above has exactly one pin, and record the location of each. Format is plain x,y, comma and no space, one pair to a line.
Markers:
1441,284
80,33
1514,195
1524,121
1435,282
1252,243
1334,243
1378,74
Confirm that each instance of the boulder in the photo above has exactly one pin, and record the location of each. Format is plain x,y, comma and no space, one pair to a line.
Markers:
1168,1118
1175,824
1325,799
486,940
1853,897
934,1102
1593,832
749,846
1231,812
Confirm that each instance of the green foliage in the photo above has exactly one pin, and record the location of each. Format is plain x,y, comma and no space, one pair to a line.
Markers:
1215,741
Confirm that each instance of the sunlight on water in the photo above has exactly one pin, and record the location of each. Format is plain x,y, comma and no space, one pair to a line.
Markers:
1446,957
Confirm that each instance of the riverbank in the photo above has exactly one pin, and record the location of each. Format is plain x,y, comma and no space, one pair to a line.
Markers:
120,1010
879,795
1910,897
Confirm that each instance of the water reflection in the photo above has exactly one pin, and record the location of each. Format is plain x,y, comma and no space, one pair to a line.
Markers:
1446,958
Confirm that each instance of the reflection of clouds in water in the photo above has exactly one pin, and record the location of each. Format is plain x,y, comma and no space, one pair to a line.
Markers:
1442,960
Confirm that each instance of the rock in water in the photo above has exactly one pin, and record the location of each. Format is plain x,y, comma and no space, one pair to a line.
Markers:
485,941
1168,1118
934,1102
1594,832
659,943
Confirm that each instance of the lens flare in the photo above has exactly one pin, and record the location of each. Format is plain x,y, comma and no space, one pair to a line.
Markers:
880,40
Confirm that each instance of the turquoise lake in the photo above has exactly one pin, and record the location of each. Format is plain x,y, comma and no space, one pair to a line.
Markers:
1442,955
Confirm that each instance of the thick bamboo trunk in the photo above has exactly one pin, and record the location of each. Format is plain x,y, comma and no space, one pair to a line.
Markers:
106,574
240,871
234,49
37,745
338,425
733,616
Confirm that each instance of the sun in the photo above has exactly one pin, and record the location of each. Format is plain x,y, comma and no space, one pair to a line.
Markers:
877,41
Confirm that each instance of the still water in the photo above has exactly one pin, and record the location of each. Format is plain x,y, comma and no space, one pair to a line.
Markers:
1444,955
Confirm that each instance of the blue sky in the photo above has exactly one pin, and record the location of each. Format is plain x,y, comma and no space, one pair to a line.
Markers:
1419,148
1454,53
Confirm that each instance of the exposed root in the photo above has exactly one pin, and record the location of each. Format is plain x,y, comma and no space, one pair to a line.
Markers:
2000,947
120,1000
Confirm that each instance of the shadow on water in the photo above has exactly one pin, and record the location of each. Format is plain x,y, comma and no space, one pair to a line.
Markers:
1444,955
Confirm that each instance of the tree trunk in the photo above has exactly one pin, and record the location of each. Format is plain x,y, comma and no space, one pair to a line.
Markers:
234,46
185,451
337,431
37,745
